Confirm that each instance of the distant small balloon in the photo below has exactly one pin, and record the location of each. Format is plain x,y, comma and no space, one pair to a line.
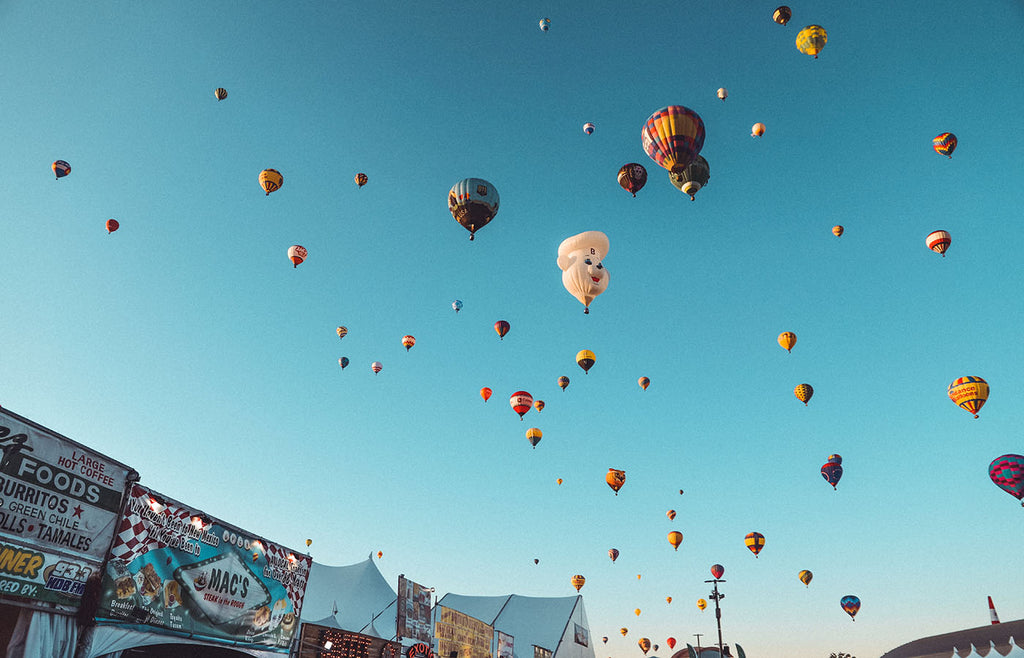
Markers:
588,128
61,168
112,226
220,93
787,339
644,382
545,24
604,639
271,180
309,542
939,241
502,327
717,570
803,392
457,305
805,577
376,366
723,93
485,393
613,553
559,481
637,612
563,381
538,405
837,230
362,179
850,605
578,581
536,561
671,514
757,130
534,435
945,144
408,342
782,15
297,253
701,603
342,332
343,362
668,599
675,538
380,554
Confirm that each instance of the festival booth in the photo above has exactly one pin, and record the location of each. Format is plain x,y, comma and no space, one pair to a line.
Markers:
60,503
175,575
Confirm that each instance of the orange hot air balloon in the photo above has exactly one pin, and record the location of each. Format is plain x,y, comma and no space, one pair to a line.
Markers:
380,554
644,382
671,514
538,405
675,538
671,642
644,643
361,179
787,339
485,393
637,612
701,603
668,599
638,576
803,392
623,631
502,327
837,230
408,342
578,581
559,481
615,479
757,130
309,542
112,225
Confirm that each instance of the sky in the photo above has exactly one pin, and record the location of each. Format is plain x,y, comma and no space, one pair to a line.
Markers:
187,346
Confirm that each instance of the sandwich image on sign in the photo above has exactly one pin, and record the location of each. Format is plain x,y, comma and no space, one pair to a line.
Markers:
583,272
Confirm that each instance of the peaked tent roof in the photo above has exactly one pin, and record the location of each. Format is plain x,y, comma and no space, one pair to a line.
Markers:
965,642
546,622
358,591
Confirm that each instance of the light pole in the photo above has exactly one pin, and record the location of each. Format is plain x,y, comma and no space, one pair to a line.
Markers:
716,596
697,635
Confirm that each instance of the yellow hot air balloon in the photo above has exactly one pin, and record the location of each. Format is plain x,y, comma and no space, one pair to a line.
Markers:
615,479
811,40
969,393
668,599
805,577
309,542
637,612
559,481
623,631
701,603
671,514
803,392
644,382
787,339
380,554
534,435
271,180
837,230
675,538
638,576
645,644
538,405
585,359
578,581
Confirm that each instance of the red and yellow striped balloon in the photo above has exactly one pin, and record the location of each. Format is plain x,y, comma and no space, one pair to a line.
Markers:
673,136
755,542
969,393
945,144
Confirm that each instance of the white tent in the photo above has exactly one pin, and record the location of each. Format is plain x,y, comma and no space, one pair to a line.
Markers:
353,597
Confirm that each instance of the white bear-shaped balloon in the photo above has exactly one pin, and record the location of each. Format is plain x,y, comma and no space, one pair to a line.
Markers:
583,273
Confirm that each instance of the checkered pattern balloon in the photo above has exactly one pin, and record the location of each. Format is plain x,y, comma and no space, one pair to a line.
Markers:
1007,472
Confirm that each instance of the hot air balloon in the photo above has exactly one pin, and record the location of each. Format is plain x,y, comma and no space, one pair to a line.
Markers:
380,554
408,342
638,576
811,40
717,571
342,332
632,177
835,459
675,538
376,366
112,226
545,24
701,603
623,631
723,93
485,393
457,305
588,128
583,272
563,381
832,471
668,599
604,639
60,168
655,647
673,136
585,359
361,179
521,402
343,362
473,203
297,253
787,339
615,480
805,577
637,612
755,542
644,382
613,553
1007,472
645,644
671,642
837,230
782,15
671,514
692,178
938,241
220,93
538,405
309,543
945,144
534,435
969,393
850,604
502,327
803,392
559,481
757,130
578,581
271,180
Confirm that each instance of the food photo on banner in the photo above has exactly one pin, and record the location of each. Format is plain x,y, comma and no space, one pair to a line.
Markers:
60,503
174,570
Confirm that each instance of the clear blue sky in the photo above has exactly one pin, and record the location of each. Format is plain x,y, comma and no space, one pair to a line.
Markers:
187,346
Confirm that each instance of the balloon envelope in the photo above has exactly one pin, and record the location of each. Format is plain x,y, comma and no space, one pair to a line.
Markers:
850,604
811,40
671,642
717,570
376,366
803,392
585,359
938,241
945,144
473,202
782,15
297,253
757,130
755,542
644,382
1007,472
701,603
837,230
408,342
271,180
342,332
362,179
220,93
805,577
969,393
60,168
502,327
615,479
534,435
485,393
563,381
545,24
673,136
112,225
832,471
671,514
613,553
457,305
521,402
723,93
343,362
538,405
632,177
645,644
787,339
580,257
675,538
578,581
588,128
692,178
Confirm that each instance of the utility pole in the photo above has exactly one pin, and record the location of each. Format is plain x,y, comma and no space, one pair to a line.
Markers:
697,635
716,596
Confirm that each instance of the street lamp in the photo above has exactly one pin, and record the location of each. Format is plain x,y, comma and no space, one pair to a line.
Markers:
716,596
